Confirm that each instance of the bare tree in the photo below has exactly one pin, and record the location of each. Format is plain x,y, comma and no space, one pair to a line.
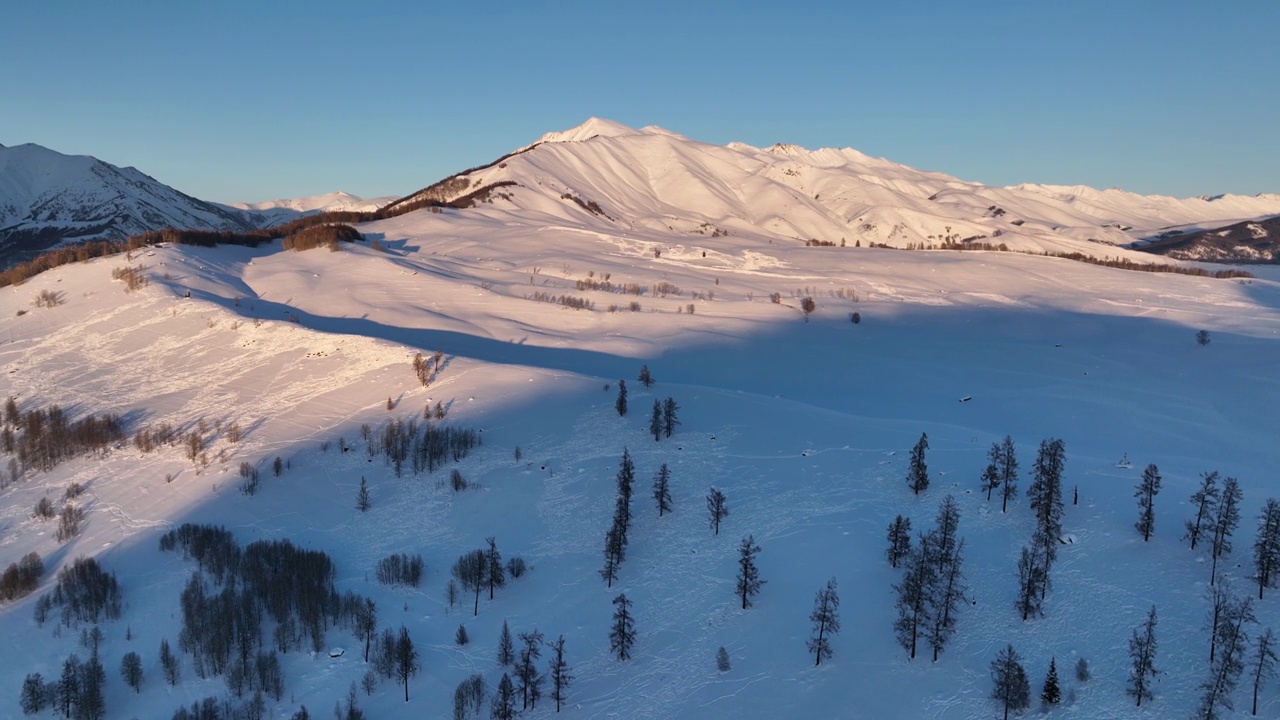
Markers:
826,622
471,572
1142,651
1146,492
717,508
1264,663
623,633
407,662
1012,688
662,489
561,678
749,581
1266,549
1205,500
899,540
1225,521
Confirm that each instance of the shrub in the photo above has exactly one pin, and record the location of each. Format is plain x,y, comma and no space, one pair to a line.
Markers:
1202,337
460,637
85,593
44,509
856,318
74,490
132,277
317,235
48,299
516,566
457,482
722,660
808,306
69,523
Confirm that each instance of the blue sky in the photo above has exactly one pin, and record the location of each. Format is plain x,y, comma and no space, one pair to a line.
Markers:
249,101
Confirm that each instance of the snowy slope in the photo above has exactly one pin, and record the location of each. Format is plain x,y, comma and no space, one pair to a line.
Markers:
47,198
274,212
804,425
654,179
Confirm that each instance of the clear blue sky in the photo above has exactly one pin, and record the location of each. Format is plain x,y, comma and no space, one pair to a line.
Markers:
249,101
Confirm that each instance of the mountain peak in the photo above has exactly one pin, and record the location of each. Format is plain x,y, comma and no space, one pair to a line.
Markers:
593,127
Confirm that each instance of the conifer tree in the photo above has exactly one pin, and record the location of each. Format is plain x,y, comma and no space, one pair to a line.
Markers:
990,480
506,649
1032,577
461,638
365,623
1146,493
623,633
407,662
527,675
645,378
504,701
68,686
899,540
917,468
471,572
826,622
1142,651
1005,458
655,421
1045,491
945,599
1012,688
749,581
495,575
561,678
1051,694
1225,670
626,482
1264,663
131,670
34,697
1226,519
1266,549
662,489
717,508
919,576
363,501
669,418
621,403
613,552
1205,501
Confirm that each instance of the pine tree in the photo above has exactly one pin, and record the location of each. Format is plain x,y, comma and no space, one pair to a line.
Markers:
506,648
669,418
662,489
1031,578
899,540
1012,688
1005,458
1146,493
527,675
1205,500
749,581
1266,549
68,686
918,579
1142,651
1264,663
1224,672
655,421
131,670
495,576
990,480
917,469
645,378
461,638
363,502
33,698
826,622
626,482
561,678
407,662
623,633
504,701
945,599
1045,491
722,660
621,403
1225,521
613,553
365,623
717,508
1051,694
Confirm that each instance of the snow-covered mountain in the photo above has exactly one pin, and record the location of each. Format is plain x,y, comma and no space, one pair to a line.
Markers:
48,198
260,390
279,211
1249,241
621,178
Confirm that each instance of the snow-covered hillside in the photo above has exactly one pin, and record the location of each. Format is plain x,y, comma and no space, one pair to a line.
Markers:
274,212
619,179
47,198
804,423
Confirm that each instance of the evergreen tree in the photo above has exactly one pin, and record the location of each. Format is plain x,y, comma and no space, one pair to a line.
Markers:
561,678
669,419
1012,688
170,664
1045,491
645,378
506,648
722,660
407,662
919,577
1142,651
365,623
655,421
1225,521
917,469
1146,493
33,697
363,502
1005,458
495,576
1264,663
1205,500
826,622
717,508
662,489
1031,578
527,675
131,670
504,701
68,686
621,403
899,540
749,581
945,599
1051,694
623,633
1266,549
990,480
626,483
461,637
1224,672
613,553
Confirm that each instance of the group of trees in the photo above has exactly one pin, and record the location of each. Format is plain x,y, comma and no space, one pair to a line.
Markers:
76,694
615,539
1038,555
482,568
933,585
663,420
425,448
40,438
426,368
469,696
21,578
84,592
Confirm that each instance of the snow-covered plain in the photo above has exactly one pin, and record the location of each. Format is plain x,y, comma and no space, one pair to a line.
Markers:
804,425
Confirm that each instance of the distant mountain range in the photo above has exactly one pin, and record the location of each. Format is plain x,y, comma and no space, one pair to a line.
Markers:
48,198
607,174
